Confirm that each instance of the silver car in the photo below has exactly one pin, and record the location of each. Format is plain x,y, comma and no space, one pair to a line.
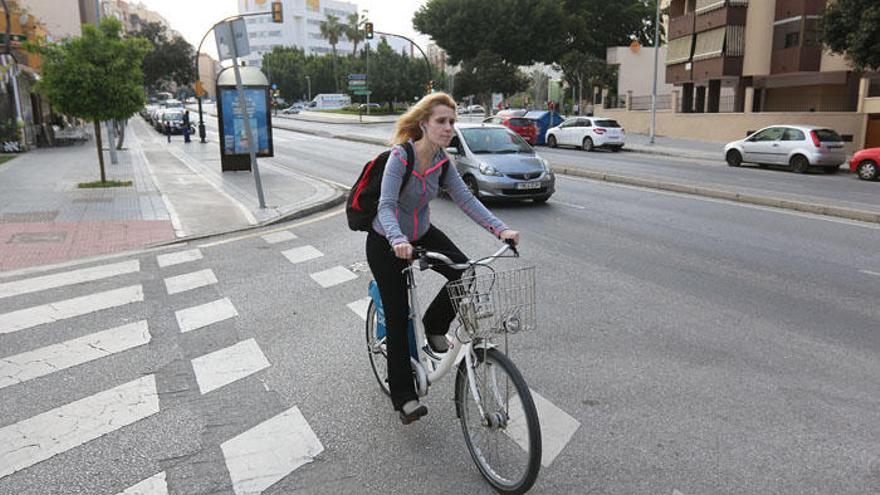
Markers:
496,162
797,147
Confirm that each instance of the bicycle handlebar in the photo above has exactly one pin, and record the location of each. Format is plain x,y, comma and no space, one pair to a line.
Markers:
423,255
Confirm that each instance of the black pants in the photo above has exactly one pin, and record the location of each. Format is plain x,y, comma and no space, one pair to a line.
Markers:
386,268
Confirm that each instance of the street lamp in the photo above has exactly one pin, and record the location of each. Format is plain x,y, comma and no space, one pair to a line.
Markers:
654,87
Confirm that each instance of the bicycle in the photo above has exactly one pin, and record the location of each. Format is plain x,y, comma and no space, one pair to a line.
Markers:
492,408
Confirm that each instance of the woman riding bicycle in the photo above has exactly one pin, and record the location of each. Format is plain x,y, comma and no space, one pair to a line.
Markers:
403,221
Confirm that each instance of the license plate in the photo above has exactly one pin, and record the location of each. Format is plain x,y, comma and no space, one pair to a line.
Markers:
528,185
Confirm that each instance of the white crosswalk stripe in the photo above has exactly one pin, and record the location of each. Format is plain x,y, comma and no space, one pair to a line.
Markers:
557,427
300,254
190,281
265,454
276,237
47,313
334,276
360,307
227,365
54,281
190,319
41,437
40,362
154,485
179,257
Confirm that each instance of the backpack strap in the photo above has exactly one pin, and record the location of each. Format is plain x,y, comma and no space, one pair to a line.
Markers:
409,163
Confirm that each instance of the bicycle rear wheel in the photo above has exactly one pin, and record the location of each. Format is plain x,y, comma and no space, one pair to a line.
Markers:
377,350
506,442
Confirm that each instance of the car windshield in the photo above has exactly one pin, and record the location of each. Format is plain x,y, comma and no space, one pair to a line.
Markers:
606,123
173,116
828,136
521,122
494,140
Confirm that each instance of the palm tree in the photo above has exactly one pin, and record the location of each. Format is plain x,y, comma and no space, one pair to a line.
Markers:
354,30
332,30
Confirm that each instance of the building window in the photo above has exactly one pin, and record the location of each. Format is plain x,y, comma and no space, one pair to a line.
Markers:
314,22
274,34
787,33
315,36
812,31
336,12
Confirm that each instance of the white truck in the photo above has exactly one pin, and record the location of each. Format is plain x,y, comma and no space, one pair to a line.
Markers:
330,101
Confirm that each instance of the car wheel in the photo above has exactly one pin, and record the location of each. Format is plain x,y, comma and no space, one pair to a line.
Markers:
551,141
541,199
868,170
587,145
471,184
799,164
734,158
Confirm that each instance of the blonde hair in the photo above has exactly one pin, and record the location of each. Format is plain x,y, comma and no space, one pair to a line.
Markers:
408,125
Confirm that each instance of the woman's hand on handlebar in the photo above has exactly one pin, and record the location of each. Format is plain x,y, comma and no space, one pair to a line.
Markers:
404,251
510,235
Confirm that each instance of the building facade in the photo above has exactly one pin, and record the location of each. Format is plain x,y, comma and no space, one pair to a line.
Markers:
635,71
301,27
133,16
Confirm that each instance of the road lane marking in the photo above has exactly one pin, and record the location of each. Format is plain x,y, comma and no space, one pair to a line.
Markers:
869,272
265,454
37,284
360,307
310,221
334,276
557,427
196,317
45,435
190,281
302,253
44,361
276,237
171,259
229,364
154,485
70,308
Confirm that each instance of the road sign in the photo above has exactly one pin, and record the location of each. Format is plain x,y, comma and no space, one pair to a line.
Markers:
362,91
224,41
356,82
357,77
14,39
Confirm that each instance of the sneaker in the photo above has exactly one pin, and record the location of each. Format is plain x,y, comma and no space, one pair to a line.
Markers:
412,411
438,343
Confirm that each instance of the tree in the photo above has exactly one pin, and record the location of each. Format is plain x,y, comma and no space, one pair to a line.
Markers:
581,70
488,73
170,62
332,30
354,30
852,28
97,76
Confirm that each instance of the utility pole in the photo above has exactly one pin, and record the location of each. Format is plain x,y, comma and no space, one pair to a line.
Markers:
656,57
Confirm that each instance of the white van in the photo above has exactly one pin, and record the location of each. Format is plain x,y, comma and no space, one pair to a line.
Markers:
330,101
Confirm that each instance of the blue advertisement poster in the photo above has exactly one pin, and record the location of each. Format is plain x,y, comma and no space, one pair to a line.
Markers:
235,139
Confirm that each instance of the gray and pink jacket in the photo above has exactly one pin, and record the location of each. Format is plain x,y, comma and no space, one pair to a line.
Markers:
404,216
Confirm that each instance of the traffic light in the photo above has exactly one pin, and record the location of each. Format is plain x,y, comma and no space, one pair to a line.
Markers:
277,15
200,90
368,30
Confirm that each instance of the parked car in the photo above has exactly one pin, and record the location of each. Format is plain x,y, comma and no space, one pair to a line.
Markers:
294,109
476,109
527,128
798,147
866,164
496,162
372,106
174,118
587,133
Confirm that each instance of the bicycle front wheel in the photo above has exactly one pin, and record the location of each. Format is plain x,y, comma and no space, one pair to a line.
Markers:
377,350
505,442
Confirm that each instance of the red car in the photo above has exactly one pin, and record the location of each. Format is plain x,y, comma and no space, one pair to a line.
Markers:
527,128
866,163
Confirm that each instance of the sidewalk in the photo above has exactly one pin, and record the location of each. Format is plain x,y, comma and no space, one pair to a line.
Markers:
178,192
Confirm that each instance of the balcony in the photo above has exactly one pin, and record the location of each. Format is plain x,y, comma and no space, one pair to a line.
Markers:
678,73
796,59
681,26
727,16
792,8
718,67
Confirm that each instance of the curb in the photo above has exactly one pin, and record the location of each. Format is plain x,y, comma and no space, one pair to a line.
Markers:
648,151
336,200
815,208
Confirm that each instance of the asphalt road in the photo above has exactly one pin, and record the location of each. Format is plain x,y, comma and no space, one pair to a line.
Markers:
698,345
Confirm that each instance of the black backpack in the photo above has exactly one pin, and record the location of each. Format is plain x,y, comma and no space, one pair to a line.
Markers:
363,198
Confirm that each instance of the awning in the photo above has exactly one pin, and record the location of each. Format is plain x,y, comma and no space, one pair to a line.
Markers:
679,50
704,6
738,3
735,46
710,44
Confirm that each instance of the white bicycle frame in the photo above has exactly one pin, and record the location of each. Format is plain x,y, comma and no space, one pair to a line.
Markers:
430,368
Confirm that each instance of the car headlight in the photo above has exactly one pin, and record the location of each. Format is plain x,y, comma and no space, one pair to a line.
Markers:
487,169
546,165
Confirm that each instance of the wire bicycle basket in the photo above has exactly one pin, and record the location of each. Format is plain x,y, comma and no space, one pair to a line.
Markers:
500,302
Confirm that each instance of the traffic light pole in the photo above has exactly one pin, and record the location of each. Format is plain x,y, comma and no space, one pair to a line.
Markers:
427,63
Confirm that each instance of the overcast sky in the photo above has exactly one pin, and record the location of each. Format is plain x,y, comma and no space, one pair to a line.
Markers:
192,18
